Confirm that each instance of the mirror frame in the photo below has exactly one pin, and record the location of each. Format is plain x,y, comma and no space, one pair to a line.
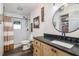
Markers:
54,23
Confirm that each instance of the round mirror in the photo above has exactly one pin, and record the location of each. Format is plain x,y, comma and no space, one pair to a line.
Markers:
66,18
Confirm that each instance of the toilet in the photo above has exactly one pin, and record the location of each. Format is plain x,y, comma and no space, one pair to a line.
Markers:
25,44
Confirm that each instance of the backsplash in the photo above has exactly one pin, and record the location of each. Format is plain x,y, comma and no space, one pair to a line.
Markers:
62,38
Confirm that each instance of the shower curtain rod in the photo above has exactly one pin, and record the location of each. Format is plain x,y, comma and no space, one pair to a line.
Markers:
14,17
17,17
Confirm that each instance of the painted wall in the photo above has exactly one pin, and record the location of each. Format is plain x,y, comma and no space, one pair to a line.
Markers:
47,26
1,30
49,12
37,31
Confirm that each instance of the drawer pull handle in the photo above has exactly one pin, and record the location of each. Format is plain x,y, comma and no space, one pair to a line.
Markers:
53,50
36,42
36,50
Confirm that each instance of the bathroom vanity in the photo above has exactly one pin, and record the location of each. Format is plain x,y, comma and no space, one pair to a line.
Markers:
43,46
43,49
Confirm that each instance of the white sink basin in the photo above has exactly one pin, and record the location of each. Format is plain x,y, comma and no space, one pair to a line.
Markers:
67,45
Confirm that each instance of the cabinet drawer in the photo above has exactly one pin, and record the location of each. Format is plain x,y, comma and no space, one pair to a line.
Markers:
48,50
61,53
37,43
52,51
36,51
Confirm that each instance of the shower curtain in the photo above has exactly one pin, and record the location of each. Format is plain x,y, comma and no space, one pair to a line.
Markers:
8,34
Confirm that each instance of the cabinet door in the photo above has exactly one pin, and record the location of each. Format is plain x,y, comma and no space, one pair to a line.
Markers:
47,50
51,50
37,43
44,49
61,53
36,48
36,51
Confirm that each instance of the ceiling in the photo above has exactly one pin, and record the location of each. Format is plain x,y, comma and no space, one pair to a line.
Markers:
20,8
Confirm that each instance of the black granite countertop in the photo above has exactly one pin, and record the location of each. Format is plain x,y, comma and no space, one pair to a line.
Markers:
73,51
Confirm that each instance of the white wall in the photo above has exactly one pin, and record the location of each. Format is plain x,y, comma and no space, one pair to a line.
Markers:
37,31
1,30
49,12
1,9
47,26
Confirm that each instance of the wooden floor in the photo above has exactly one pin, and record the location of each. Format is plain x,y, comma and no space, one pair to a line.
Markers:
19,52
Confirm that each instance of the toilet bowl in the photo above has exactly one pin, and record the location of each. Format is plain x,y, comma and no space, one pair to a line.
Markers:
25,44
